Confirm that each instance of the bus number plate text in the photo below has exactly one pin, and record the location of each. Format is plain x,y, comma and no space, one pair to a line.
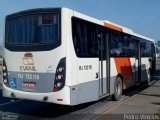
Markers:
28,76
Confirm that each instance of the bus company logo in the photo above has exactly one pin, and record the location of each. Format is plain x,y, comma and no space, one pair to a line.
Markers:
28,63
28,59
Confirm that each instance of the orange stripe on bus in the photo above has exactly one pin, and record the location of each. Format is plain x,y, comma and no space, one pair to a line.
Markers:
113,27
123,66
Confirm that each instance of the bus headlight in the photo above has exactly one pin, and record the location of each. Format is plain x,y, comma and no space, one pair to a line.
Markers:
60,75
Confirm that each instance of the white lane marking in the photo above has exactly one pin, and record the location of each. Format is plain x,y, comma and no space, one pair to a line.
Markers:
10,103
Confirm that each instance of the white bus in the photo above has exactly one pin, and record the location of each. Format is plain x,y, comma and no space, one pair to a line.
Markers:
61,56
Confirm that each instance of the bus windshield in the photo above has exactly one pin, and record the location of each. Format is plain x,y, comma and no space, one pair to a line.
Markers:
39,28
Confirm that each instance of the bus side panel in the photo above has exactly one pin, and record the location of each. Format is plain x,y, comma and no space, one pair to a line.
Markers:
81,72
88,83
72,73
123,67
71,59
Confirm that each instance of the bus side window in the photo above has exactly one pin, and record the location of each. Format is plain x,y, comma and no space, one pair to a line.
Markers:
115,44
122,45
84,38
129,46
146,50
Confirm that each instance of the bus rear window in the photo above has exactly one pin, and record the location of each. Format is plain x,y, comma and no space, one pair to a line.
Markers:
41,28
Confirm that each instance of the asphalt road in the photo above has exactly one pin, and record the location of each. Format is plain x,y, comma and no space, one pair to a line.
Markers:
141,106
33,110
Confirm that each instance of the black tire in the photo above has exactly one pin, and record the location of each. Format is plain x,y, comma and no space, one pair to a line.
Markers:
117,88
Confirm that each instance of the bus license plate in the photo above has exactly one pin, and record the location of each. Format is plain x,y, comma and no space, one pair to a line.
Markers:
29,84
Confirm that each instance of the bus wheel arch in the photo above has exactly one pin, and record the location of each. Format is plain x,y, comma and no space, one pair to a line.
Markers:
121,76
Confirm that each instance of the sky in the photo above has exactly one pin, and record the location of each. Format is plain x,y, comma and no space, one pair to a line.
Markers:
142,16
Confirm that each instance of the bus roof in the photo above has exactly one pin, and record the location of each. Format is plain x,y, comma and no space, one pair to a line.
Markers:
128,31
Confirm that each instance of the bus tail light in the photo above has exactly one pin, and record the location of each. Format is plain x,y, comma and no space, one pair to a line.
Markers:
5,74
60,75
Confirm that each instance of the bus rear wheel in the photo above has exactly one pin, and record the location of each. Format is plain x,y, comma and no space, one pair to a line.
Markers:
117,88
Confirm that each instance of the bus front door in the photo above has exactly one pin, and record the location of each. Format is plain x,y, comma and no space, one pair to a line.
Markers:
103,64
137,63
